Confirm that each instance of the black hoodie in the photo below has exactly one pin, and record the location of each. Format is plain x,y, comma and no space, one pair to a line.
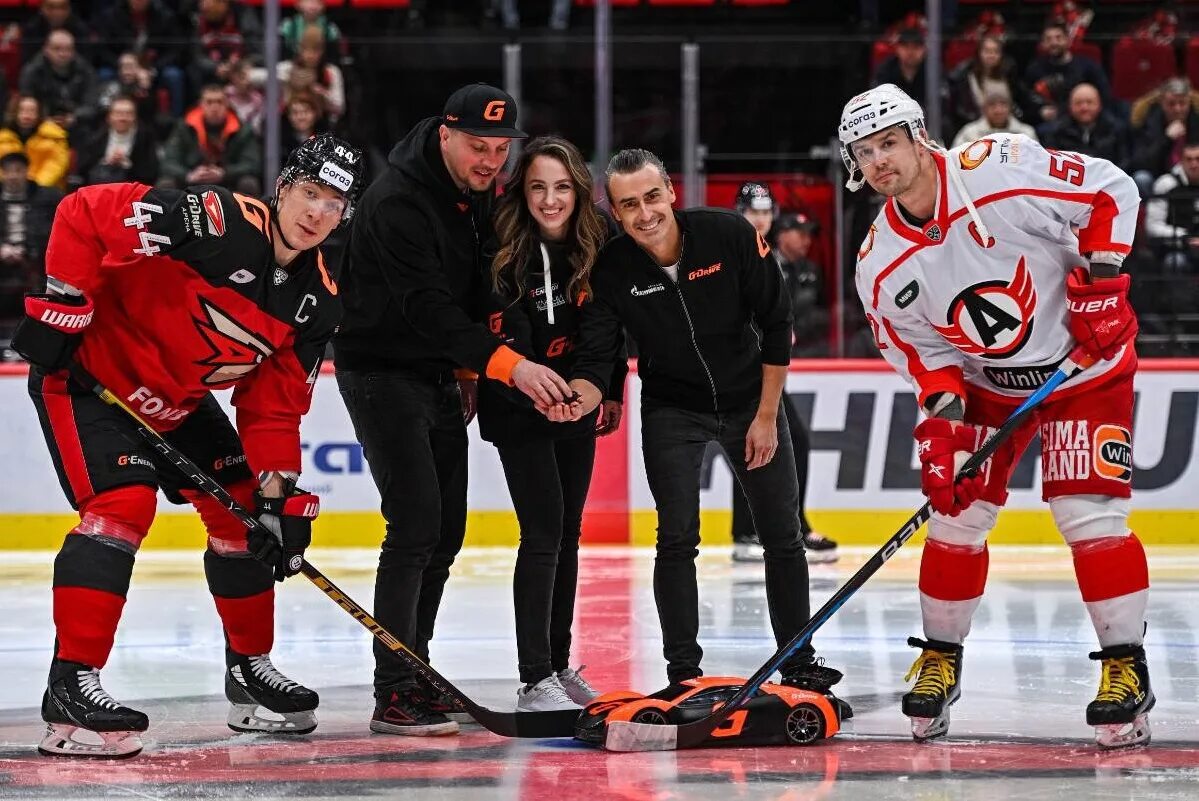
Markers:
413,268
506,415
698,339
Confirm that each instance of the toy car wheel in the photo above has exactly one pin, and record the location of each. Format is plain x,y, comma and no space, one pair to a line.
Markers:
805,724
654,716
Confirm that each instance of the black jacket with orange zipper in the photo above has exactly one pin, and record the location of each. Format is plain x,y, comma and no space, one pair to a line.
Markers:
542,326
697,343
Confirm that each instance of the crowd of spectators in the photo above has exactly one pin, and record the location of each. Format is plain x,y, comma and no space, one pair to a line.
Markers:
164,92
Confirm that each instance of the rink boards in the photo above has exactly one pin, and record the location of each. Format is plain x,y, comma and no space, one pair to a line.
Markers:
861,480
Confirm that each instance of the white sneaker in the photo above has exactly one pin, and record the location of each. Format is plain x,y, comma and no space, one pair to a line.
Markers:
748,551
547,695
576,686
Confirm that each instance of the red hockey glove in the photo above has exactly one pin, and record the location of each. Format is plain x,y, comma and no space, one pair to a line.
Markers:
1100,318
52,328
290,521
942,447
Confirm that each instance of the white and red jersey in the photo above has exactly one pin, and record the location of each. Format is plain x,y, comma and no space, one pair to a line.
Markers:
948,308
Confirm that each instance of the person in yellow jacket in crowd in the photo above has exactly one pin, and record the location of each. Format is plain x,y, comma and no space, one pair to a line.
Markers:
42,140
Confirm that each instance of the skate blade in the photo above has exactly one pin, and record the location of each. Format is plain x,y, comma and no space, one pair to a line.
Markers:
925,729
60,740
246,718
820,558
1123,735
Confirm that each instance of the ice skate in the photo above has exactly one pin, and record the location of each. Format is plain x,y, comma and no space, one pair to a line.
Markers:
547,695
1120,711
74,701
252,683
576,686
938,672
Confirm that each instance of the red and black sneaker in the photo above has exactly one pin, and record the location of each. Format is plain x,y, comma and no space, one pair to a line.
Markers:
445,704
407,711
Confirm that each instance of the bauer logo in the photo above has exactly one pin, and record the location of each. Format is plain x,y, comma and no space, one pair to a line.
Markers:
336,176
1113,453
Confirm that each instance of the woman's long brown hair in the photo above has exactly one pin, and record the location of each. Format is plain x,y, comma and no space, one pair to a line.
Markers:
517,230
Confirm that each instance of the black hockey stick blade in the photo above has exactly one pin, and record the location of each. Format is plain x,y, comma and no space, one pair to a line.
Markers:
627,736
506,724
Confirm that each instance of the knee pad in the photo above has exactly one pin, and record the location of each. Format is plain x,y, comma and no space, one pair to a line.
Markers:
1083,518
967,530
226,534
118,517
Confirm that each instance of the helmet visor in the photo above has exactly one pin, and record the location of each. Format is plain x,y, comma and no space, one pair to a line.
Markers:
315,197
873,149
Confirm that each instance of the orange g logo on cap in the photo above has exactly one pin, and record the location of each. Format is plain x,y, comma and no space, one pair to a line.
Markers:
1112,455
494,111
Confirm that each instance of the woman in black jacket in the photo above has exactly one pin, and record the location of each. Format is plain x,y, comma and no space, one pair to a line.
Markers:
548,232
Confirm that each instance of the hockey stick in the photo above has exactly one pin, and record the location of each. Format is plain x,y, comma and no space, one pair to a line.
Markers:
627,736
507,724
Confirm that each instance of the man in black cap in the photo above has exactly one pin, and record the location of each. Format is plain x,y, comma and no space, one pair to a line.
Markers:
905,69
407,356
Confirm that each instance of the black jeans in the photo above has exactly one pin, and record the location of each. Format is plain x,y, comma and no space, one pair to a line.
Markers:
414,440
743,522
674,441
548,481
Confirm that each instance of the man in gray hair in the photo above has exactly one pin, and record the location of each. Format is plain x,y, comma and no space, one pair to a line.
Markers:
997,117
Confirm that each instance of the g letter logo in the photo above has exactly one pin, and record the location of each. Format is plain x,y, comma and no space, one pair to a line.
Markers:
494,111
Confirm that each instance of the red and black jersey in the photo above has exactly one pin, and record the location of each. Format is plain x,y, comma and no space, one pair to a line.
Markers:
188,299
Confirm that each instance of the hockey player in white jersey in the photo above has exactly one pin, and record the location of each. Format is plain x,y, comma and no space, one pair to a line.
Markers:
987,265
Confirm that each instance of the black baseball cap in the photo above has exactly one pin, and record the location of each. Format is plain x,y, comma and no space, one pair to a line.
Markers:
796,222
14,156
483,110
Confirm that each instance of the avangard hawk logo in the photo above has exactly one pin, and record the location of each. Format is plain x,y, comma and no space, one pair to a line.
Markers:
992,319
235,351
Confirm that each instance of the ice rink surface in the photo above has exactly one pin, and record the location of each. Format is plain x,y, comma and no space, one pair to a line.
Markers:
1018,732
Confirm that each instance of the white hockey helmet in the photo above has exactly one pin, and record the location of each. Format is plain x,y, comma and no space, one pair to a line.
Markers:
871,112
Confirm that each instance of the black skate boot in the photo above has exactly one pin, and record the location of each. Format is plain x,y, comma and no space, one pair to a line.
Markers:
938,672
252,682
74,700
405,710
1120,711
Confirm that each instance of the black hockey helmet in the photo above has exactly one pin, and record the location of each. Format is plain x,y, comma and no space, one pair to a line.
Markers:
754,195
326,159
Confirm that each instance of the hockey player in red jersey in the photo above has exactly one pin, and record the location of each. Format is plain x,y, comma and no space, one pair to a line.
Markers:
988,264
164,296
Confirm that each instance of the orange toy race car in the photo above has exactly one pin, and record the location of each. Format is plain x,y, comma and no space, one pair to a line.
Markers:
775,715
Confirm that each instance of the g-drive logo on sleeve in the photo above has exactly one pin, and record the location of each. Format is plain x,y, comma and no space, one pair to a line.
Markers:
336,176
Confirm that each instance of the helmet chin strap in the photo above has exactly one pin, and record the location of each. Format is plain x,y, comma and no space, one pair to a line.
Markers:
955,177
279,230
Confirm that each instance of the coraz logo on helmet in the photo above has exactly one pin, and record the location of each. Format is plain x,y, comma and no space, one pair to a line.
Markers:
874,111
327,160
